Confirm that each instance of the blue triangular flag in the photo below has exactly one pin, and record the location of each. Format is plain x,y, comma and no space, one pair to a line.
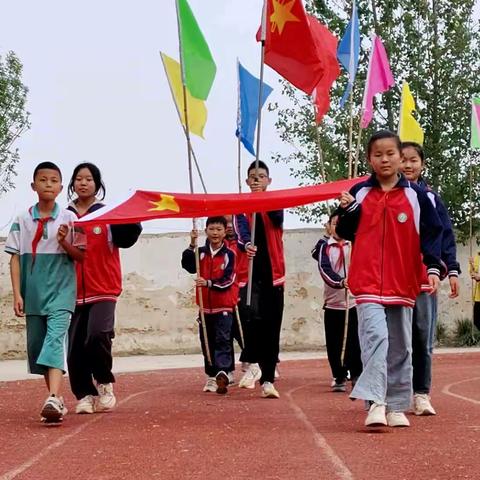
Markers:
248,106
350,43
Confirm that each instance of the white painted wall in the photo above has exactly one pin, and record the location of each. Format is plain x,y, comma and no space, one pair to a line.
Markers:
156,313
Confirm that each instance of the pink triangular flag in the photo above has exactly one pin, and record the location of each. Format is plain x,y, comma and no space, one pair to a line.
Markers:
379,79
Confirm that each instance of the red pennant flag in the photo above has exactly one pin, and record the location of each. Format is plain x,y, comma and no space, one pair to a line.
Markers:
290,48
326,43
143,205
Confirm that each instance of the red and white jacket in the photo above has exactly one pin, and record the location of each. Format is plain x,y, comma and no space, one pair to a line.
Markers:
99,276
392,232
273,222
218,269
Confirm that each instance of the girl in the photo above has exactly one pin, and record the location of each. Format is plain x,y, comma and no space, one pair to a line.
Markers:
425,310
392,222
99,283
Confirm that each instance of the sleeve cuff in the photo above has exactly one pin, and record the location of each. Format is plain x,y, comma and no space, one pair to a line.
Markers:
434,271
353,206
453,273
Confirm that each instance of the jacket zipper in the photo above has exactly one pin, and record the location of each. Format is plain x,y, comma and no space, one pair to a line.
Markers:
383,243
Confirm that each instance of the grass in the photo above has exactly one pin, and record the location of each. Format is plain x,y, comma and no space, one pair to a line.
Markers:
465,334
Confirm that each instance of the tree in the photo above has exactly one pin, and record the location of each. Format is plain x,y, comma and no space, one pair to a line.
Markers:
14,119
435,46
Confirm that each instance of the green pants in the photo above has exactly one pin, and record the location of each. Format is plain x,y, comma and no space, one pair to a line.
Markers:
47,337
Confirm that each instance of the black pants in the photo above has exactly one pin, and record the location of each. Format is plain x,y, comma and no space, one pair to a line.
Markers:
90,347
476,314
219,333
236,336
263,323
334,333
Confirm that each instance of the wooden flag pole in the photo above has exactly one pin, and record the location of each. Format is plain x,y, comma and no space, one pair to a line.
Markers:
190,177
184,129
320,151
257,152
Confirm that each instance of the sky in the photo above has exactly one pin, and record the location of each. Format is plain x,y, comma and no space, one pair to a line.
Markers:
98,93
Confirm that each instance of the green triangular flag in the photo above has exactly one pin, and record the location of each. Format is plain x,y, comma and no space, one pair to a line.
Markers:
475,135
198,65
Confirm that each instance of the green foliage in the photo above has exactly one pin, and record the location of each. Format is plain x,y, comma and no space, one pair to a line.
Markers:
465,334
435,46
14,119
441,335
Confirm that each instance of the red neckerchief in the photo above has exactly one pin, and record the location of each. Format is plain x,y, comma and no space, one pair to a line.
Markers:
38,235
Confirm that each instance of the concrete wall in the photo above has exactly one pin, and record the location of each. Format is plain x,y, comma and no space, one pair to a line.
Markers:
156,313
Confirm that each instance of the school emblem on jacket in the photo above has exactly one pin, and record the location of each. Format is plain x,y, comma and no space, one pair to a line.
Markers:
97,230
402,217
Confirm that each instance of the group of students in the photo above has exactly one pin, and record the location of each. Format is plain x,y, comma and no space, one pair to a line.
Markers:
388,245
66,282
230,308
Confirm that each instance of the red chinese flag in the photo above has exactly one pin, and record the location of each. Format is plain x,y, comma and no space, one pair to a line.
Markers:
326,43
144,205
290,48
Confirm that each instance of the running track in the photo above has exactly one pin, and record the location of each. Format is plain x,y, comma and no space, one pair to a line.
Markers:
165,427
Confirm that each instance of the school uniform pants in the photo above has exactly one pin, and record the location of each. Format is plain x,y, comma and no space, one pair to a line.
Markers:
476,314
334,334
385,334
90,347
219,333
423,338
263,323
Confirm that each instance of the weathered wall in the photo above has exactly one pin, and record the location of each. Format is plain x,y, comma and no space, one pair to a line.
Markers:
156,313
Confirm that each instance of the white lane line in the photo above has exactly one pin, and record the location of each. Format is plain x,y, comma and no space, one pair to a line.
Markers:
446,390
62,440
341,469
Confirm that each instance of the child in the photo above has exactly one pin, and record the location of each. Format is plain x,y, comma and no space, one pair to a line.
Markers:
474,268
43,246
425,310
264,318
333,254
99,284
392,222
217,282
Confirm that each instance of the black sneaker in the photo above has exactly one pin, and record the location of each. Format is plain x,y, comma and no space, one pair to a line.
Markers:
340,385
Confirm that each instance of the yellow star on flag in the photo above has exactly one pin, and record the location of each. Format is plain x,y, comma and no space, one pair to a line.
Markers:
282,14
167,202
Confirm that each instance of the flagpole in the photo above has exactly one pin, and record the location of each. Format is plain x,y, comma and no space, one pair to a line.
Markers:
239,143
183,126
350,79
257,152
471,237
320,151
190,177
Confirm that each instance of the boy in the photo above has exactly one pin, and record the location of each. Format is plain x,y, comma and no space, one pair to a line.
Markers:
332,258
43,245
264,318
216,281
392,223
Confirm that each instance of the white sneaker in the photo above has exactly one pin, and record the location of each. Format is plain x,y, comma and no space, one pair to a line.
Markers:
106,399
221,381
53,410
376,416
269,391
252,375
422,405
86,405
231,379
397,419
211,385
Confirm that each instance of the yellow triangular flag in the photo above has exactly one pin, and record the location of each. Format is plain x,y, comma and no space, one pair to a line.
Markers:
196,109
409,129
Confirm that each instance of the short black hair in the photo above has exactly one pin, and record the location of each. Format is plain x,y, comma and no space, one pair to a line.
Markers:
96,175
218,219
261,164
335,213
46,166
380,135
417,147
